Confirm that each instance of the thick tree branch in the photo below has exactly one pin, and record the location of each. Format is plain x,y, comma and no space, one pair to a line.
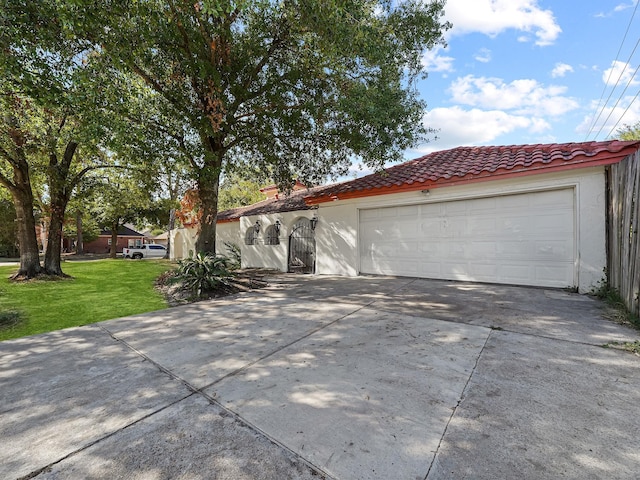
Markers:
12,161
7,183
153,83
68,154
181,29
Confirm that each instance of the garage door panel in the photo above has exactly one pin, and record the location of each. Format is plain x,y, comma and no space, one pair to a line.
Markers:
481,227
483,271
552,221
523,239
557,276
431,225
486,250
410,211
515,248
430,269
558,250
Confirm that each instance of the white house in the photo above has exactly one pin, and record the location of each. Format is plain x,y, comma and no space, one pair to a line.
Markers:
522,215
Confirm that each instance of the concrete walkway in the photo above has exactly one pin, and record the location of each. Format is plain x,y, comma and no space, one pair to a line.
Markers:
345,378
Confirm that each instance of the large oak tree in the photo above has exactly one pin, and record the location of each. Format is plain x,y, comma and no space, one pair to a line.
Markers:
50,120
299,88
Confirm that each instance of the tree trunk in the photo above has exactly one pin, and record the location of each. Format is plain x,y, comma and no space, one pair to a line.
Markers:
22,195
52,260
79,239
27,238
172,224
60,192
208,184
113,253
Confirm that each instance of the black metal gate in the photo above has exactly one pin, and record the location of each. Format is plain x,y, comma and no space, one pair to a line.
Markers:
302,247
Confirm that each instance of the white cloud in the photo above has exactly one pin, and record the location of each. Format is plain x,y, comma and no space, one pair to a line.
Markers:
624,6
433,61
561,69
457,126
493,17
620,73
483,55
523,97
618,8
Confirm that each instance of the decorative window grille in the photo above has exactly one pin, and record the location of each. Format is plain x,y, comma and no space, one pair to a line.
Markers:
250,236
272,235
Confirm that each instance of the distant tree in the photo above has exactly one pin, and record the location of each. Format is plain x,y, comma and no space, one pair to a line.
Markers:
628,132
236,191
80,222
120,198
298,88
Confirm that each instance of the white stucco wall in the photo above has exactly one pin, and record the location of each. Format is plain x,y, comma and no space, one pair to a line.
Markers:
227,232
269,256
337,249
183,242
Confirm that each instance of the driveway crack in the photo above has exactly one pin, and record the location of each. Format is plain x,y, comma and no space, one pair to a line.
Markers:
455,409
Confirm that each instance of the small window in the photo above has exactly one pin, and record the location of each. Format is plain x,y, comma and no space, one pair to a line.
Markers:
156,247
109,241
272,235
250,237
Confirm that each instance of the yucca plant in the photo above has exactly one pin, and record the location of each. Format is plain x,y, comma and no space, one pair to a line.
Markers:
204,272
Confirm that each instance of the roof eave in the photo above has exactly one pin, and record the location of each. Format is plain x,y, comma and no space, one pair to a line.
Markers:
468,179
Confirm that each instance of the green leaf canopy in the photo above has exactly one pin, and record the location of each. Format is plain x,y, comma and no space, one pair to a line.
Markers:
298,88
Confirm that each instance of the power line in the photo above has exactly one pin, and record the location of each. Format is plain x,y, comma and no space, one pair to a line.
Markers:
623,114
618,101
604,89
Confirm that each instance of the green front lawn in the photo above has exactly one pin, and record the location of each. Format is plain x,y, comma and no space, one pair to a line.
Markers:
99,290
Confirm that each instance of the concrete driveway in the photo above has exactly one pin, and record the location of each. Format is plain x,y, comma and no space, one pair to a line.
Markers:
345,378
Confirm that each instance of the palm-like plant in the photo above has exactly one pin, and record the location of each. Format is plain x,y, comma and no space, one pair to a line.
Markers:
204,272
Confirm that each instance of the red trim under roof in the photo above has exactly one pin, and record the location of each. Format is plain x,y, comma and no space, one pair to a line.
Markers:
464,165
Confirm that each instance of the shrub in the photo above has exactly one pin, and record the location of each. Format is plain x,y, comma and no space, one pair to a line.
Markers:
204,272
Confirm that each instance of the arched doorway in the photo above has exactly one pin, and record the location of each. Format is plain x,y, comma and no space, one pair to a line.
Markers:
302,247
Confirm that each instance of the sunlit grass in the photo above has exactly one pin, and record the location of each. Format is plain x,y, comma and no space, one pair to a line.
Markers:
99,290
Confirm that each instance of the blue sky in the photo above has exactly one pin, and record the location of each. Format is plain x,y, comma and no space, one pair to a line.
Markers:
532,71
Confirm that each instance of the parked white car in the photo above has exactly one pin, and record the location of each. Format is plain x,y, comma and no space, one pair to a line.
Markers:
150,250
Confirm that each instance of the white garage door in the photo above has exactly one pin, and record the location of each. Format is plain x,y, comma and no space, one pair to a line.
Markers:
524,239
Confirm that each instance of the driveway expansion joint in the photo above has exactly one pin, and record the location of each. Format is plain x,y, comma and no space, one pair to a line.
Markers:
49,466
211,399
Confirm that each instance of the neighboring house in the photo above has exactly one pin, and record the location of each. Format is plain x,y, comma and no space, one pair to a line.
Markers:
160,239
522,215
127,237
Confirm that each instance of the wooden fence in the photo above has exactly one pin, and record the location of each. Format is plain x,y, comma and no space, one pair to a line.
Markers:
623,264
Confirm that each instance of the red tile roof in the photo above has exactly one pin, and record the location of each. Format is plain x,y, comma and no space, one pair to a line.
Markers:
283,203
472,164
